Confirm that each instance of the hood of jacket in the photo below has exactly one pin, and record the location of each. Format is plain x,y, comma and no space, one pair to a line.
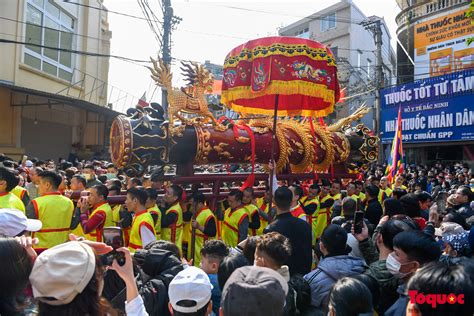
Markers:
157,261
341,266
284,271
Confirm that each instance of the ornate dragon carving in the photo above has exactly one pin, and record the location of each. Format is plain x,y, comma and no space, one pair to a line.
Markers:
190,99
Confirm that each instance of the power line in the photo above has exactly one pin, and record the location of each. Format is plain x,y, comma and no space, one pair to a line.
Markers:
2,40
154,24
49,28
353,49
156,20
309,18
341,20
109,11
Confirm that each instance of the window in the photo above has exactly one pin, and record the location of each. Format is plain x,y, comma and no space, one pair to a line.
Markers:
369,65
328,22
303,33
47,25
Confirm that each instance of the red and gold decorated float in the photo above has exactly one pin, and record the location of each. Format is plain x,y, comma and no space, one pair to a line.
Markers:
294,77
140,141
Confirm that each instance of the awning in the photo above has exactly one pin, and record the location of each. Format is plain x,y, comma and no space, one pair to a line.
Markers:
58,98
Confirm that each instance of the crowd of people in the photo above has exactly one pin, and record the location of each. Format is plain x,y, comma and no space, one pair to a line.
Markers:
85,239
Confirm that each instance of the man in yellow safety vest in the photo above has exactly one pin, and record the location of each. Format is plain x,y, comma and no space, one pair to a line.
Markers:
323,215
142,231
53,209
252,211
95,212
172,219
154,210
264,205
203,223
296,210
311,208
236,220
385,191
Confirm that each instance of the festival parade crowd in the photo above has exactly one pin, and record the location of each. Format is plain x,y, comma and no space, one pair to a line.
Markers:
371,246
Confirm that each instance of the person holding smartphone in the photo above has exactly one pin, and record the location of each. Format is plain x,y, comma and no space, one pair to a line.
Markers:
76,272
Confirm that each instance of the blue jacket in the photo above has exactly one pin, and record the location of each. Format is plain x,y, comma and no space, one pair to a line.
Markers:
399,308
330,270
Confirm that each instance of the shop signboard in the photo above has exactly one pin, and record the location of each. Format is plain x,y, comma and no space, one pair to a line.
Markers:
437,109
440,44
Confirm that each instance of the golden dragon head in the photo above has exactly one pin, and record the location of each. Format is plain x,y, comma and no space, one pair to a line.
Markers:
197,75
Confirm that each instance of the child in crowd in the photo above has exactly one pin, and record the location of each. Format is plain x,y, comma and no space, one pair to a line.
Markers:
212,254
273,250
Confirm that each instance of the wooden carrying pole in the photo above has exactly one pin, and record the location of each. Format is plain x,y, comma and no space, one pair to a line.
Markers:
272,160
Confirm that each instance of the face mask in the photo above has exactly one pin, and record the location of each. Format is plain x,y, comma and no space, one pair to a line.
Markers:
88,177
393,266
110,176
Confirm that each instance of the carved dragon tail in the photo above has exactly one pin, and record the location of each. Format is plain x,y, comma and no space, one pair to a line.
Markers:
357,115
161,73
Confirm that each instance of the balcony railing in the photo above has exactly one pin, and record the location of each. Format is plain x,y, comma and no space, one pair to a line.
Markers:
425,8
91,89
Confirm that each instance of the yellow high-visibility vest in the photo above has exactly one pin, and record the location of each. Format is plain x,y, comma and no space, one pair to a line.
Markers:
174,233
19,192
384,194
106,210
312,219
203,216
323,216
142,218
10,200
335,198
251,210
230,227
265,207
155,210
55,212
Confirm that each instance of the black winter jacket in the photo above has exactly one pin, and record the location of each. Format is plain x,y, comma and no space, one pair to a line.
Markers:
155,268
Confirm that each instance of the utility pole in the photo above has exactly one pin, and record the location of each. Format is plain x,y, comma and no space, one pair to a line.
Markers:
167,18
375,26
169,23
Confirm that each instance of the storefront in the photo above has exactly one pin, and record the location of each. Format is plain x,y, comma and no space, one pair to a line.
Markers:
46,125
437,117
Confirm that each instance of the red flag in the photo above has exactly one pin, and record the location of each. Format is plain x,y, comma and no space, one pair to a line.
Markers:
142,101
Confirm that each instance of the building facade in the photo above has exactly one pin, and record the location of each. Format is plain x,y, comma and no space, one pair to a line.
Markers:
432,38
53,78
340,27
436,81
214,99
437,117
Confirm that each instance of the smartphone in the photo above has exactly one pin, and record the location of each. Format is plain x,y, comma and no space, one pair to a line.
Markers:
343,194
113,237
358,222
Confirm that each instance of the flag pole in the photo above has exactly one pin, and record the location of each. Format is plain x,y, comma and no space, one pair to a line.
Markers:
272,158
